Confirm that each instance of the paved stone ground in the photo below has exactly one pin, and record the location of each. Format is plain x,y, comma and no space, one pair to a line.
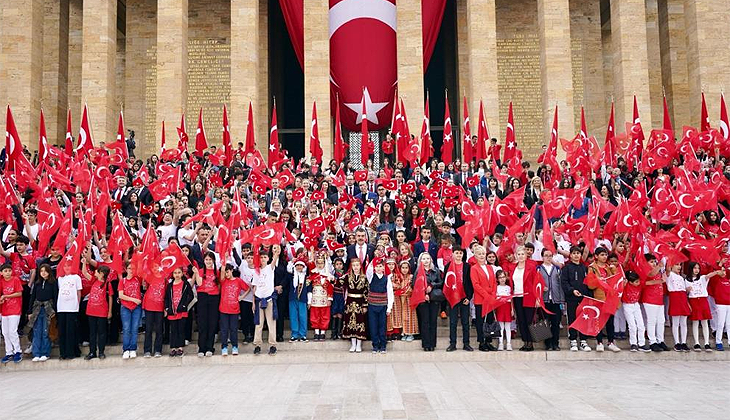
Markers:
529,389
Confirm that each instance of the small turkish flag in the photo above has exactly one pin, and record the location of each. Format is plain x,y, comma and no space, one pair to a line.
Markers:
453,287
589,317
408,188
419,288
390,184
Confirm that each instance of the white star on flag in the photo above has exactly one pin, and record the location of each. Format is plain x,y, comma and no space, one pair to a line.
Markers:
371,108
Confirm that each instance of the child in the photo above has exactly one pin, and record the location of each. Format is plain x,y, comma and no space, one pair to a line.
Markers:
720,291
652,297
678,307
178,296
632,312
130,295
207,281
298,296
445,254
264,303
504,311
338,298
380,303
153,304
700,307
11,301
98,309
356,305
231,288
43,295
319,297
67,312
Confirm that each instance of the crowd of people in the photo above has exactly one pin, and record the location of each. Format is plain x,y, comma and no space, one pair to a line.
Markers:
342,253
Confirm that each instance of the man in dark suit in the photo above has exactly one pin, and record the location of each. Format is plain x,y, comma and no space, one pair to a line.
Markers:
365,195
361,249
418,176
477,191
351,188
460,177
426,244
203,244
335,198
275,193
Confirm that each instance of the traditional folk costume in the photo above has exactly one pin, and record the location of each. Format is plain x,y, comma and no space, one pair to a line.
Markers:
356,295
402,318
319,299
298,297
338,303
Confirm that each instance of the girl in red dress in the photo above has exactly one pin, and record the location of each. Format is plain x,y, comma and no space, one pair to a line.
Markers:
504,311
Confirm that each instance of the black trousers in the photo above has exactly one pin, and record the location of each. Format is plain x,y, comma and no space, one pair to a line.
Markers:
177,333
115,323
97,334
554,321
68,334
459,310
153,324
247,325
207,321
610,332
23,316
481,339
282,306
573,334
524,318
428,313
83,322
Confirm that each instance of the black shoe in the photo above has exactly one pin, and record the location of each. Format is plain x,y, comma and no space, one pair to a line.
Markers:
556,347
467,347
90,356
656,348
257,350
102,356
663,346
483,348
490,347
272,350
451,348
279,339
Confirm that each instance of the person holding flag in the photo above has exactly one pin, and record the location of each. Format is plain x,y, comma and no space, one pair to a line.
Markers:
458,292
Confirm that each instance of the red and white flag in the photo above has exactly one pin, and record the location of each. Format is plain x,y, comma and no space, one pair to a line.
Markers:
418,295
69,145
273,139
397,130
340,151
86,142
583,127
667,123
510,141
227,146
250,137
589,317
365,140
42,141
447,147
182,134
609,146
426,147
705,116
13,145
724,122
482,135
468,148
453,286
201,142
314,147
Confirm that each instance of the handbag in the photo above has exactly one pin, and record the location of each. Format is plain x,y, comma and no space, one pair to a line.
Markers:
540,328
491,329
436,295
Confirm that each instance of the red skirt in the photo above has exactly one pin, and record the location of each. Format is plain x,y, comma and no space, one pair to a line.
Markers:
700,309
504,312
678,304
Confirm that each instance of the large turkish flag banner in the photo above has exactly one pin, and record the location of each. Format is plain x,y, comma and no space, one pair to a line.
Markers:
363,56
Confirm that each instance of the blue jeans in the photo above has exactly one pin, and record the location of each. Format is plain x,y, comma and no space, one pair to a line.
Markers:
229,330
130,326
376,322
41,342
298,318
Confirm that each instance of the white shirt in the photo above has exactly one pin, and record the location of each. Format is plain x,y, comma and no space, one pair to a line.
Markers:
68,298
264,282
181,236
518,281
247,277
166,232
388,288
504,290
675,283
699,287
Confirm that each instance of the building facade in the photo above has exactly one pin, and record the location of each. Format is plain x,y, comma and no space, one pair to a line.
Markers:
156,59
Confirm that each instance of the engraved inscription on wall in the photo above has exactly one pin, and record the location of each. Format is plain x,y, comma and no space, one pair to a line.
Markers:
518,67
150,115
576,52
209,83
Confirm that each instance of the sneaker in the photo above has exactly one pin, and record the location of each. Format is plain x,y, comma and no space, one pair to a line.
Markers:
663,346
509,347
293,340
133,354
352,348
257,350
376,351
685,348
102,356
6,358
599,347
158,354
147,355
613,347
584,346
500,347
409,338
677,347
634,348
173,353
36,359
187,342
208,353
452,347
17,357
656,348
573,345
90,356
201,354
43,358
29,349
224,352
234,351
125,355
697,347
304,340
644,349
272,350
467,347
718,347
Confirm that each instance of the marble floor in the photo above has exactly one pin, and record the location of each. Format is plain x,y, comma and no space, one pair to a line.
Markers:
424,390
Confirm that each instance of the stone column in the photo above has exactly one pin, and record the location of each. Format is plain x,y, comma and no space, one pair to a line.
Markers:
172,67
98,71
75,48
55,69
630,64
553,18
21,64
317,74
708,58
245,68
673,47
409,39
481,83
654,58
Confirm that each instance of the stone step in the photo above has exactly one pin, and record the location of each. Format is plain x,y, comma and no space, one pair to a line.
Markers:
312,354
